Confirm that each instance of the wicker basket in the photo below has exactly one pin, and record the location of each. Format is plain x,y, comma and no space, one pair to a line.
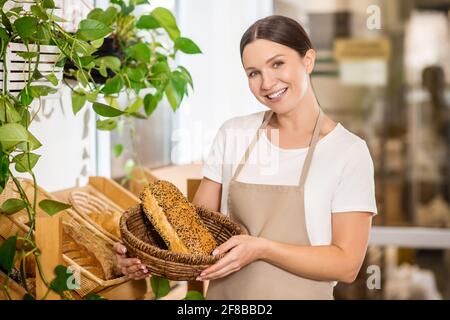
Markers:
143,242
73,255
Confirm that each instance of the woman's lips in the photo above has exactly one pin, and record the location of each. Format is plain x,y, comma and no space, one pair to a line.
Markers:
277,96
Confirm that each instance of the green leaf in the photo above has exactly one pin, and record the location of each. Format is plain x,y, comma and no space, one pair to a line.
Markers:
83,48
10,112
137,115
25,27
6,22
39,13
128,168
4,170
107,17
11,206
117,150
92,30
187,76
186,45
175,91
25,161
41,35
52,207
11,134
166,19
135,106
27,55
52,78
147,22
38,91
94,296
141,52
110,62
4,36
151,102
194,295
78,101
82,77
56,18
160,286
97,43
139,2
48,4
62,279
31,144
113,85
137,74
7,253
106,111
106,125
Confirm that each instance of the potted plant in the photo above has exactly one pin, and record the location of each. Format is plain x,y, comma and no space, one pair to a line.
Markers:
142,71
29,31
136,60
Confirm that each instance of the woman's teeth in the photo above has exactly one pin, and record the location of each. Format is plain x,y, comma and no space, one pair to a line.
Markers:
277,94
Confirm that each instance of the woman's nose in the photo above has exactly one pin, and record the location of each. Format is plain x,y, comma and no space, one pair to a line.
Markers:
268,82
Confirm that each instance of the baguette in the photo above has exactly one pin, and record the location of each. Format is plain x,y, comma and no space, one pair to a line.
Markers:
175,219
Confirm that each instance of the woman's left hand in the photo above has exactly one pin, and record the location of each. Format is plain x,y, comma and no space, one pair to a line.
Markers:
242,250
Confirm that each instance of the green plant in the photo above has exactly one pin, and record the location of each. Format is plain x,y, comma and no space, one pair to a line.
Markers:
33,27
141,70
144,64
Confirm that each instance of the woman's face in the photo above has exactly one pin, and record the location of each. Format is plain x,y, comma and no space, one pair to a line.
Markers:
277,75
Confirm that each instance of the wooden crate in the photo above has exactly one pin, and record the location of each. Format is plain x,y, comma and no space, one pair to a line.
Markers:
16,291
116,195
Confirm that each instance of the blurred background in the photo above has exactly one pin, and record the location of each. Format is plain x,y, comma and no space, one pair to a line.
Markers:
383,71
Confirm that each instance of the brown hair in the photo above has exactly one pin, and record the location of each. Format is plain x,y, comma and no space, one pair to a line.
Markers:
280,29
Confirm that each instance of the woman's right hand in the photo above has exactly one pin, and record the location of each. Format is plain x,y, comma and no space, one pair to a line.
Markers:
131,267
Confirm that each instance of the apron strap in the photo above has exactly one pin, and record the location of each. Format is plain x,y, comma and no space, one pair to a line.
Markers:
268,116
312,147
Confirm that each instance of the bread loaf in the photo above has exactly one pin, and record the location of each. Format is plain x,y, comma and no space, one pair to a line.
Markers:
175,219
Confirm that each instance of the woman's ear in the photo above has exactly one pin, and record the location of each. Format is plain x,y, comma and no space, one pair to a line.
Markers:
309,60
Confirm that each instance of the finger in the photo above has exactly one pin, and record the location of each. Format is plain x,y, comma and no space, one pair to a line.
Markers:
136,268
226,270
226,246
120,248
143,276
128,262
137,275
222,263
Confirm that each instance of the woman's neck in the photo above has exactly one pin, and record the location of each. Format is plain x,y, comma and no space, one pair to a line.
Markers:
301,119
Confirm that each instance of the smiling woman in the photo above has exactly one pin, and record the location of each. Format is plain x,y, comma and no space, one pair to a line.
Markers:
304,193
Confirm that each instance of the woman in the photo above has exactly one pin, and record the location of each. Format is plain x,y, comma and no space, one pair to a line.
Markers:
308,216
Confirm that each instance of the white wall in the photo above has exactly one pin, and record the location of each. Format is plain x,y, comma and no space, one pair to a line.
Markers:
68,154
221,89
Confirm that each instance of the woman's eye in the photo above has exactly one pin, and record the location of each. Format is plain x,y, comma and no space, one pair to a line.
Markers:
278,64
252,74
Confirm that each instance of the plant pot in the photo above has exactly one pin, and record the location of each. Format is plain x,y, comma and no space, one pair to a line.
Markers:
109,47
17,68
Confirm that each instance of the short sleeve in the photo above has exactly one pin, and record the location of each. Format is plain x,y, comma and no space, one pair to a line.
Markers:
356,186
213,165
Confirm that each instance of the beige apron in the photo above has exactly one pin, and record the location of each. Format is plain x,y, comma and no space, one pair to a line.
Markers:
276,213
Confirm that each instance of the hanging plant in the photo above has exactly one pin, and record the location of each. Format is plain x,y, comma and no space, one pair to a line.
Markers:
34,49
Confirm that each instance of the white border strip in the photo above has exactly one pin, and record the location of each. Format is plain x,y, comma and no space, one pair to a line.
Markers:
411,237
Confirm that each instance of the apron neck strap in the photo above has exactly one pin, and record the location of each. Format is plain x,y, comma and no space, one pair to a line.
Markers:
267,116
312,145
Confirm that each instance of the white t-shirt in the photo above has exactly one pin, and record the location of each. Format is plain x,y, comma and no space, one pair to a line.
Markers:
340,179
